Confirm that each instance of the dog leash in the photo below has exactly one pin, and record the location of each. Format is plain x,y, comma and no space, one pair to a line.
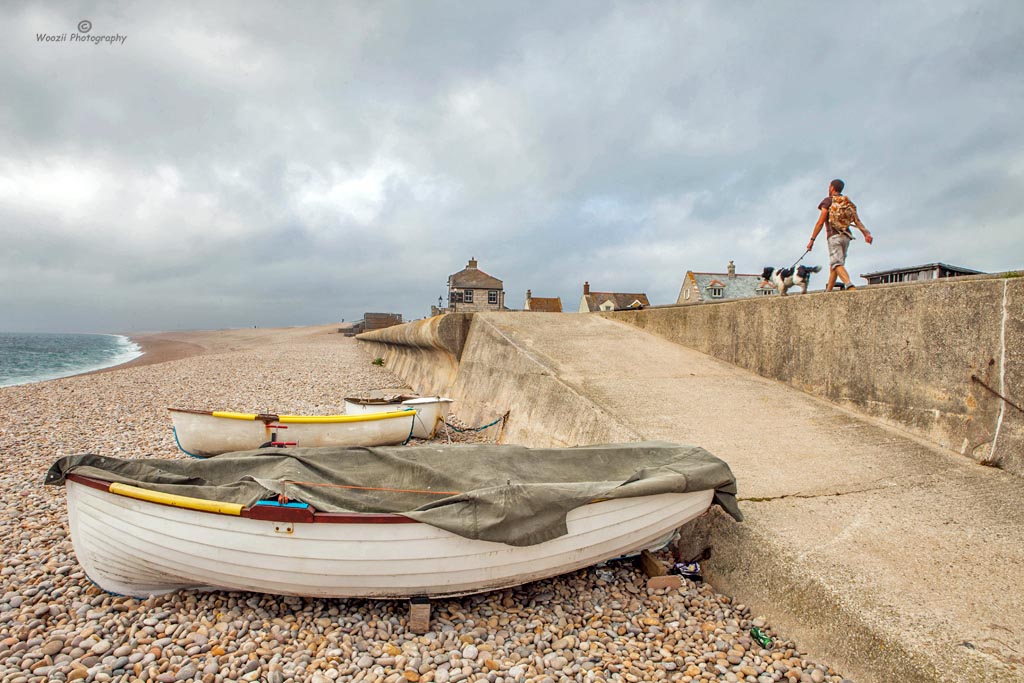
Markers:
793,267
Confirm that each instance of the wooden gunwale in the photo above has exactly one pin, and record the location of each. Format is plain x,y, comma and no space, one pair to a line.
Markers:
273,514
300,419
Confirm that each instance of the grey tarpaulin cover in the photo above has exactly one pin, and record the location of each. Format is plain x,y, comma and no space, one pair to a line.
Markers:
503,493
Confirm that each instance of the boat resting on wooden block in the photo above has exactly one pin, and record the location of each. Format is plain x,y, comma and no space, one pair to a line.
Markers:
323,541
203,433
430,410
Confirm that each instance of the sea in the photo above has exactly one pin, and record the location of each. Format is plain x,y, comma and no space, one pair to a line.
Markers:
34,357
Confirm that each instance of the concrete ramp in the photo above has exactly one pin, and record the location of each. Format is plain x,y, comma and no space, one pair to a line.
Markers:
894,559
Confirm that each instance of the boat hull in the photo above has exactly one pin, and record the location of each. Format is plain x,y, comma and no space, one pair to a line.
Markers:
135,547
431,410
204,434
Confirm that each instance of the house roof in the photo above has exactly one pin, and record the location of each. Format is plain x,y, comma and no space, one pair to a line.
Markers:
548,305
472,277
927,266
739,287
619,299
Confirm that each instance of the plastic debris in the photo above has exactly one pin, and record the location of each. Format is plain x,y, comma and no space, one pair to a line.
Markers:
762,638
688,570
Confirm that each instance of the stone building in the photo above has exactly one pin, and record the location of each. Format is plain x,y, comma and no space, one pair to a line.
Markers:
701,287
544,304
610,301
471,290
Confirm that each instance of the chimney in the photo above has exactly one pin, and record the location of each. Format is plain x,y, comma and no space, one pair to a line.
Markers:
472,262
586,288
732,270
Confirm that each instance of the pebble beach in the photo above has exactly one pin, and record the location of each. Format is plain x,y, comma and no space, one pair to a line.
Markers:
598,624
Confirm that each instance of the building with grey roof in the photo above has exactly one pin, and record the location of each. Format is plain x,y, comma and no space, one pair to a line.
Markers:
699,288
473,290
611,301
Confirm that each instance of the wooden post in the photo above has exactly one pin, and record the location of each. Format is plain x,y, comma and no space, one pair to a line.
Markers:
657,575
419,614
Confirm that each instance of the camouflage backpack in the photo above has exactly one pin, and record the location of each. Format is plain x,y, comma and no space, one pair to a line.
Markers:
842,214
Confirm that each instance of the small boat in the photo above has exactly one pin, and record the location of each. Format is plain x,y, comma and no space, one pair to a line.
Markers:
203,433
430,410
141,539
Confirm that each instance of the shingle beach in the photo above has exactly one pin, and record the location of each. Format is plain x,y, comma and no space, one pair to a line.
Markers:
598,624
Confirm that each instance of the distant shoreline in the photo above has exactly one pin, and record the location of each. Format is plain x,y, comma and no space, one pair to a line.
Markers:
163,347
155,349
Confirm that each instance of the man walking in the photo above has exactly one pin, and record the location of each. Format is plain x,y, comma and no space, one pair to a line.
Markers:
838,213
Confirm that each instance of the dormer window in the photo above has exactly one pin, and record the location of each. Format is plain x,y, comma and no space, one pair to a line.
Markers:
765,291
716,292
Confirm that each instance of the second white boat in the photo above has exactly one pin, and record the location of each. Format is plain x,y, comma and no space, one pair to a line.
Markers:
203,433
431,411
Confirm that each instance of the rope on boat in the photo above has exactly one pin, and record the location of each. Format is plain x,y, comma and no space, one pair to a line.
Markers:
178,443
477,429
371,488
412,427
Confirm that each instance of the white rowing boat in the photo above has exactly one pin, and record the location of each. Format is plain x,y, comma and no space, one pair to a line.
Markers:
137,542
202,433
430,410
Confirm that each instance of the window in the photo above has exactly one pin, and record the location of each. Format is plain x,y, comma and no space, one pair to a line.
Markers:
492,297
764,292
716,292
686,294
467,296
455,297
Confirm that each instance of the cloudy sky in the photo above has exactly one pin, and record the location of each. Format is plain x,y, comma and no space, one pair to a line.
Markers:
232,164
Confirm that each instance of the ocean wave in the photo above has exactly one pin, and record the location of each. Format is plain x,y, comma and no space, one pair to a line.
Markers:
30,358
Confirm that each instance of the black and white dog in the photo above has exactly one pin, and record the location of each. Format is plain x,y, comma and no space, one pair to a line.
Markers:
787,277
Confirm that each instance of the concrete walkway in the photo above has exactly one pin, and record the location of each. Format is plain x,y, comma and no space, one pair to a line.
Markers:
891,558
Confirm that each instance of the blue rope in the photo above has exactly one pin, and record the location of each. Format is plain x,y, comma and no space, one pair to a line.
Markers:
178,444
412,427
475,429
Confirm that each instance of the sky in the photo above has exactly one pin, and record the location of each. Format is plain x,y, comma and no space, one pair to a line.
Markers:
233,164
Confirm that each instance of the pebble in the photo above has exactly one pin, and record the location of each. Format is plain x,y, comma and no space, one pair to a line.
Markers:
597,624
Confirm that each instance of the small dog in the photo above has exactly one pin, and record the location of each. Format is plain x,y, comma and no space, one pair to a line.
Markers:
787,277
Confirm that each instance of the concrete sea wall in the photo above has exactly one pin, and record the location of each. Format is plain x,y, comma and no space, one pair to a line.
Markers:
424,353
488,374
905,354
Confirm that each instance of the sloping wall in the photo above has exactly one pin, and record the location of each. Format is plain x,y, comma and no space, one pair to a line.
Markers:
903,353
424,353
469,358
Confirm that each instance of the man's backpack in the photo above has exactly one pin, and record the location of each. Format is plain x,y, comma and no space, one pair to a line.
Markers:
842,214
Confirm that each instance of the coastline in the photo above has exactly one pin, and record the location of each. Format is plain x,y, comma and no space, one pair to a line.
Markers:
158,347
163,347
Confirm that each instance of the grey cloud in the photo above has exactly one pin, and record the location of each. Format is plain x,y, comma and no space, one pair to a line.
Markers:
253,163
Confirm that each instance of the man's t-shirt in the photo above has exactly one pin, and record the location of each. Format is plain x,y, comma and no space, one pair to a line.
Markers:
825,204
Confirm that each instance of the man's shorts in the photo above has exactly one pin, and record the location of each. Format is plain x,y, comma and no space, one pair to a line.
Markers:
837,246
